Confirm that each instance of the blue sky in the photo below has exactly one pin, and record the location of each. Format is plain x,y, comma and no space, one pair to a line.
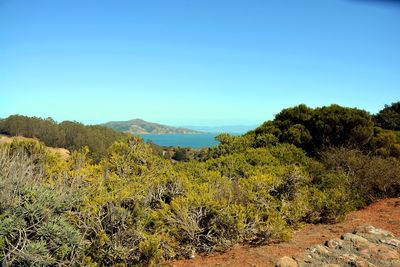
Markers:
197,62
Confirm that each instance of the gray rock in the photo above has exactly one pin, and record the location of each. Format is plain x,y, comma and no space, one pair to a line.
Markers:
334,243
319,249
367,246
369,229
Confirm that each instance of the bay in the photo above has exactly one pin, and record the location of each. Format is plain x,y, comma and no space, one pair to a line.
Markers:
182,140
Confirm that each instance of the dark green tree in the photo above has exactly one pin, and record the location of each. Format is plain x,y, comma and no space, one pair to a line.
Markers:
180,154
317,129
389,117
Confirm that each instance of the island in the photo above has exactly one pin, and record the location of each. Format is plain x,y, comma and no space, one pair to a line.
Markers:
139,126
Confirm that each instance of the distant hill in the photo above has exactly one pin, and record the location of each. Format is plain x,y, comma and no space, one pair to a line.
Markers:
232,129
139,126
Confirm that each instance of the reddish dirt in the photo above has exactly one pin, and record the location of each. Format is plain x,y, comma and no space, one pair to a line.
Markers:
384,214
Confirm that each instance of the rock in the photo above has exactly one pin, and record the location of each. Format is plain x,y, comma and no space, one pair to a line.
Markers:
348,258
367,250
367,246
286,262
303,257
369,229
382,252
363,263
391,241
334,243
355,239
319,249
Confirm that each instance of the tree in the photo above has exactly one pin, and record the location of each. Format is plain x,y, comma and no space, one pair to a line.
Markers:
180,154
337,126
320,128
68,134
389,117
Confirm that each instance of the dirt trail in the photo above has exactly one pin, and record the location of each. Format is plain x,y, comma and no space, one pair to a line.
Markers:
384,214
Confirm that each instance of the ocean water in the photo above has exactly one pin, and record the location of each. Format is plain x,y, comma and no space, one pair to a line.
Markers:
182,140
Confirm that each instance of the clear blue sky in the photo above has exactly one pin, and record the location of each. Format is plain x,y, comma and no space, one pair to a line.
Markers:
188,62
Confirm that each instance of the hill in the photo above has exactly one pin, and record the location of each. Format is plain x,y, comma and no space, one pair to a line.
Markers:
139,126
232,129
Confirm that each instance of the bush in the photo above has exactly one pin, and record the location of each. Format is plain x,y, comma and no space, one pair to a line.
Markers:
33,230
180,154
329,205
371,177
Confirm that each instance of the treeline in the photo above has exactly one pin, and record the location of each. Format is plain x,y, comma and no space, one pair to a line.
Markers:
315,130
67,134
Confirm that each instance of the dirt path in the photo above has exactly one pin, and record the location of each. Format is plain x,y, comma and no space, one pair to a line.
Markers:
384,214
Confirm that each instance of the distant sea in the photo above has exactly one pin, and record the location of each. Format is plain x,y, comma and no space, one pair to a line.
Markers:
183,140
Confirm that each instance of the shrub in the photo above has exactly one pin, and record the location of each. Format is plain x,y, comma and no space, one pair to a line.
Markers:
33,230
371,177
329,205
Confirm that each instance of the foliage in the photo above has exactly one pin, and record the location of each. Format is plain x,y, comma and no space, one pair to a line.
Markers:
367,177
385,143
69,135
135,207
389,117
317,129
181,154
33,230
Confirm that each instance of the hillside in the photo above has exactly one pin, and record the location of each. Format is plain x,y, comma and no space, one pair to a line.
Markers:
62,152
139,126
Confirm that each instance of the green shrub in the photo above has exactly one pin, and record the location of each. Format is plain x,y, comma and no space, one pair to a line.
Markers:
371,177
329,205
33,231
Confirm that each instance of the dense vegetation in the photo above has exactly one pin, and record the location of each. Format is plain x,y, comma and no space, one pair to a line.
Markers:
67,134
316,130
134,207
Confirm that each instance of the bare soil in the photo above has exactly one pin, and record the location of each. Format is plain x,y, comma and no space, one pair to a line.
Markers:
383,214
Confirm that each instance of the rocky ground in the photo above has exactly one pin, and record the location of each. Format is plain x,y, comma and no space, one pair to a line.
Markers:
366,246
349,243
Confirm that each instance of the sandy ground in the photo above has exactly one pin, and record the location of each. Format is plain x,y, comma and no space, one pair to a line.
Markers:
383,214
